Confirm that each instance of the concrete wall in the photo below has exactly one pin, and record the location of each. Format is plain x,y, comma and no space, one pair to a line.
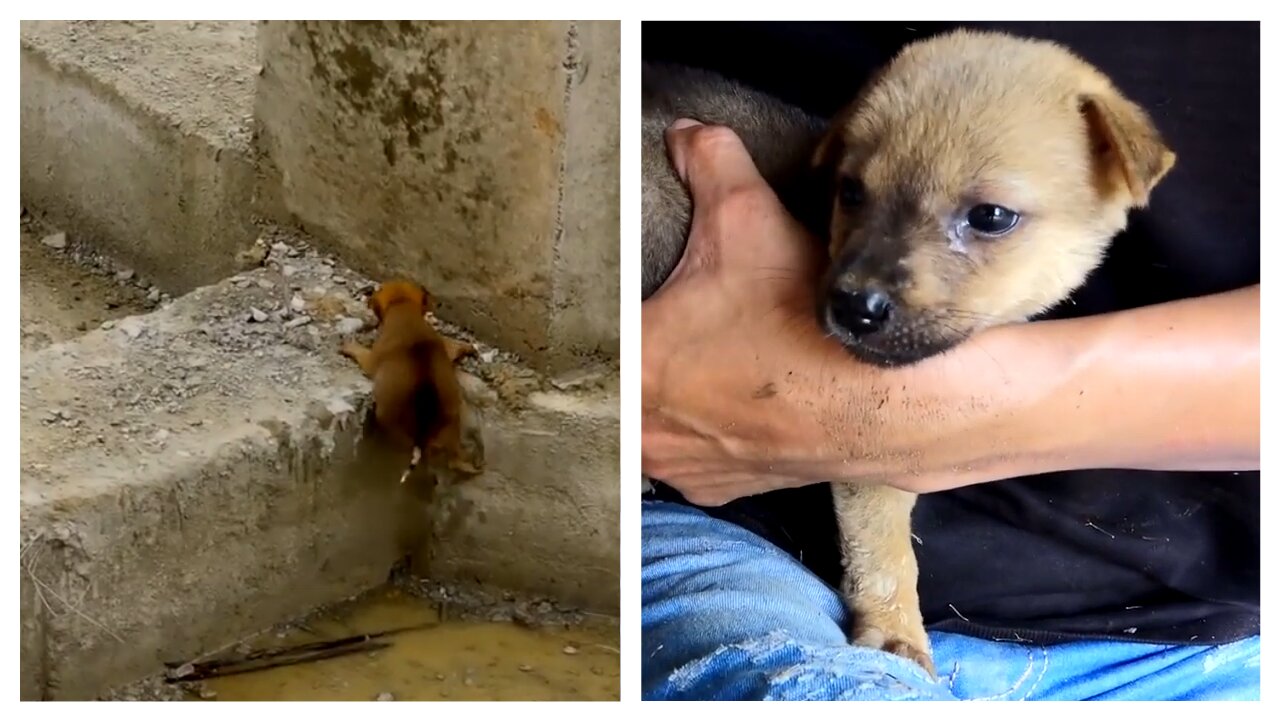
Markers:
478,157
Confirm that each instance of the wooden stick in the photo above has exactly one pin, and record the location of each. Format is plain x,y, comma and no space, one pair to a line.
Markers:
237,667
179,671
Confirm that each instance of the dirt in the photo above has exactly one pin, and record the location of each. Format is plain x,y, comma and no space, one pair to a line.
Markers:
465,645
63,297
198,75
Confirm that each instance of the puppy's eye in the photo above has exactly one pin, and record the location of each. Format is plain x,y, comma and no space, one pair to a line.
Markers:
992,219
851,193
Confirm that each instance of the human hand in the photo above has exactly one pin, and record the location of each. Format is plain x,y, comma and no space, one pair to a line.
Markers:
742,391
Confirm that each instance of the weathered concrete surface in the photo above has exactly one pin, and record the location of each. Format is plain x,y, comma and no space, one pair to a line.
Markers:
544,516
138,135
478,157
197,473
189,477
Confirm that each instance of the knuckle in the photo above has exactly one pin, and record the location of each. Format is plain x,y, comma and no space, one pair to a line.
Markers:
709,140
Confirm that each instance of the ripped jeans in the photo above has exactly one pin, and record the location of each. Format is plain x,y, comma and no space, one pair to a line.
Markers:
727,616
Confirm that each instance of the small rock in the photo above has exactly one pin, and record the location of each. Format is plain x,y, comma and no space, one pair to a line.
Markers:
256,315
440,676
266,284
251,257
288,270
570,649
57,241
280,249
385,697
108,325
526,668
577,378
349,325
297,322
191,25
124,275
82,326
132,327
208,694
338,406
297,304
339,280
153,295
489,355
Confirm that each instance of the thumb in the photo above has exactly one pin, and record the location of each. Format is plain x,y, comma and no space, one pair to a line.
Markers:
712,162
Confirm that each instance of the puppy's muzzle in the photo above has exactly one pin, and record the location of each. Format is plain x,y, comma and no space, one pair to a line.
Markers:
860,312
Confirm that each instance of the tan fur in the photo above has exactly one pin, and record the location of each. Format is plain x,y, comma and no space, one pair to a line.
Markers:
955,120
410,361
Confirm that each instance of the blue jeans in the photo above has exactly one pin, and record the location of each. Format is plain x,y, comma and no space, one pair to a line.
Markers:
728,616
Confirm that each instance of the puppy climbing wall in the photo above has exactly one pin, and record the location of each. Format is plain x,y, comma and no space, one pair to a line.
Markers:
478,157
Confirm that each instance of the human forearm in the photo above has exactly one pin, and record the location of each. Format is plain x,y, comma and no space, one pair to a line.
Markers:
1167,387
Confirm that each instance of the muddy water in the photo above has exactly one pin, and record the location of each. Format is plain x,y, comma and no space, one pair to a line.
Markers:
453,660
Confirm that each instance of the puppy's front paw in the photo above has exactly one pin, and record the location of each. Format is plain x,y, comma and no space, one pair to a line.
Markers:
350,349
910,643
465,467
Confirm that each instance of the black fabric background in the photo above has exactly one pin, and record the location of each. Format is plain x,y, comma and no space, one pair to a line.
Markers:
1144,556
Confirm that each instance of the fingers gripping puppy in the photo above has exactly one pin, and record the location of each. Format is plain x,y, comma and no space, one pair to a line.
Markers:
416,396
976,180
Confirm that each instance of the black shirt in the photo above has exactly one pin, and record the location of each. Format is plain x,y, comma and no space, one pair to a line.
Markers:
1169,557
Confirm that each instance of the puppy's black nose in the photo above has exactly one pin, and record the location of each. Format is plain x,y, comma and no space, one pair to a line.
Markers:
860,312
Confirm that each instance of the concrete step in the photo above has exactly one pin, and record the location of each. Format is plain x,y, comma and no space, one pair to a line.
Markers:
198,473
140,135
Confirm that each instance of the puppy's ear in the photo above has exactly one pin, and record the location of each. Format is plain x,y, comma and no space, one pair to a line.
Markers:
831,149
1125,143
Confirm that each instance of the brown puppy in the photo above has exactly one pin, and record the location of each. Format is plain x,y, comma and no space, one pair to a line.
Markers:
977,180
416,395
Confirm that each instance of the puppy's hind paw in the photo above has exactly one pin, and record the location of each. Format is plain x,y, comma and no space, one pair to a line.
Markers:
916,651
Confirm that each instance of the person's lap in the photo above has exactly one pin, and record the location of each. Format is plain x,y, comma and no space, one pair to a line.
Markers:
728,616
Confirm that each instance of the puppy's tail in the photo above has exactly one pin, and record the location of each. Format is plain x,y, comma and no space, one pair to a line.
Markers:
426,406
413,463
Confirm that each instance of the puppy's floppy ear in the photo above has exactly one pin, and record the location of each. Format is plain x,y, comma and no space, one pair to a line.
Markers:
1124,140
827,155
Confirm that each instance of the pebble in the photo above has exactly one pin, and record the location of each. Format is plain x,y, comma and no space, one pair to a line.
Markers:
208,694
266,284
349,325
132,327
297,322
153,295
576,379
570,650
57,241
385,697
108,325
526,668
124,275
256,315
297,304
288,270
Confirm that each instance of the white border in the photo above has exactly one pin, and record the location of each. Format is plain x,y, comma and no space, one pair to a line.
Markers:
631,13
